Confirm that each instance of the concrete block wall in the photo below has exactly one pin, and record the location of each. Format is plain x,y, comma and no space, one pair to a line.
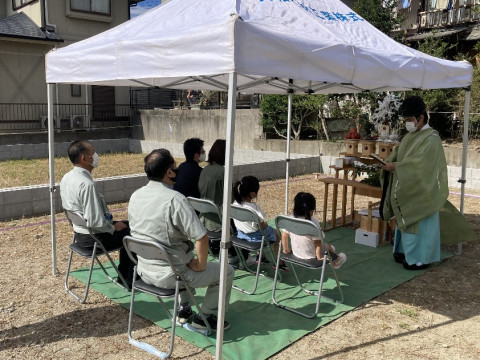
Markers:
25,201
37,151
35,200
120,188
268,162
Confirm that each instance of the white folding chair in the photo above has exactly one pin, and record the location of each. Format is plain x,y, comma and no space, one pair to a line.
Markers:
304,227
90,253
152,250
240,213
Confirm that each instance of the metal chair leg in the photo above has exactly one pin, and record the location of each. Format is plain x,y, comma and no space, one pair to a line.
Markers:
318,294
87,287
143,345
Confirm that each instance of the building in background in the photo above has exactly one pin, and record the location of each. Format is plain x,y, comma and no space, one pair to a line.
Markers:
453,20
31,28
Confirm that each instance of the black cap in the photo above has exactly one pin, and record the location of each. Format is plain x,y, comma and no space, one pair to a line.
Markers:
412,106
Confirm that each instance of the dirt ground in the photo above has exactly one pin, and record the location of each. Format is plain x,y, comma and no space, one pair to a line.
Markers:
434,316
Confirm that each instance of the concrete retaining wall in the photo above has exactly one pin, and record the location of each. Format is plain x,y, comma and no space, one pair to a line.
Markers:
328,152
35,200
266,161
175,126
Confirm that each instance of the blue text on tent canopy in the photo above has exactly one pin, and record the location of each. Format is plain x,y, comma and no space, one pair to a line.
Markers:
325,15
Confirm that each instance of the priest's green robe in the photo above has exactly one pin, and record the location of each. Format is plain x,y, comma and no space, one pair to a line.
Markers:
416,191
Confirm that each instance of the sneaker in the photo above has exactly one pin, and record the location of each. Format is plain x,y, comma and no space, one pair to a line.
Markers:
184,313
264,260
198,322
282,266
340,261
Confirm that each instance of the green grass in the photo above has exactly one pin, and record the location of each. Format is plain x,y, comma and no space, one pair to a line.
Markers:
411,313
26,172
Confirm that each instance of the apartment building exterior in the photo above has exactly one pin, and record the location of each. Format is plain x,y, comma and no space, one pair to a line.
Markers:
457,20
31,28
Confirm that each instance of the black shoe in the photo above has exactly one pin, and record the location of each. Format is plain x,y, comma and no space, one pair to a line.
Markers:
283,267
414,266
264,260
184,313
128,281
198,322
399,257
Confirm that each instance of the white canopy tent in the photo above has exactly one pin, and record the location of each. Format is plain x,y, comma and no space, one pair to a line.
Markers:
252,46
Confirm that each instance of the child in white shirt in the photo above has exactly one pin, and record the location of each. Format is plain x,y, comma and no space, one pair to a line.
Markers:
245,192
308,246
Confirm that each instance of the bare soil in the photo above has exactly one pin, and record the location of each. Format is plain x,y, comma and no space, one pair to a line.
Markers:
434,316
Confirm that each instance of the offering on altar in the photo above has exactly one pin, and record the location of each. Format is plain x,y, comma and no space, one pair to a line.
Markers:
386,118
353,134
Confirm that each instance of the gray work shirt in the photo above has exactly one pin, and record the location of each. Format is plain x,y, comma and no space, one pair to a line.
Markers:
157,212
79,194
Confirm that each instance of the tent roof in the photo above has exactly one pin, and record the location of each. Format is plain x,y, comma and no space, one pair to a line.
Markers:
322,45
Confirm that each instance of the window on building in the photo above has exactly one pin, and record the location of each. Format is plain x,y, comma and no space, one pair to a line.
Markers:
76,90
17,4
91,6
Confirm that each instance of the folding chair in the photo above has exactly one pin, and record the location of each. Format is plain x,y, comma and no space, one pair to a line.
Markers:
304,227
152,250
244,214
204,206
98,249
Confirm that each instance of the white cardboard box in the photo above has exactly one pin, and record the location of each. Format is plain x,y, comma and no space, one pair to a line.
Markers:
366,238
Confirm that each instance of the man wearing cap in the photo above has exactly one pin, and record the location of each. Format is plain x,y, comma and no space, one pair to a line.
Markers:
415,188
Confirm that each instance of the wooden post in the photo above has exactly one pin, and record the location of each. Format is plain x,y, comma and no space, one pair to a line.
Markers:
325,206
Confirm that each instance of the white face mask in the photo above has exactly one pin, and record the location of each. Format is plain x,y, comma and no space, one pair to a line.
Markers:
202,157
411,126
95,160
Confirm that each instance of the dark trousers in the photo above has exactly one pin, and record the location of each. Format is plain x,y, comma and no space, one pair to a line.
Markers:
111,241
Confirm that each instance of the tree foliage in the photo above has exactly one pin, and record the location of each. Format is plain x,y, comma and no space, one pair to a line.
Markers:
379,13
275,111
440,102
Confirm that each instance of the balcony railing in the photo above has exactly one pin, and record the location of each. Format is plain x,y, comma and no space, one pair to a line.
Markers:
432,19
29,117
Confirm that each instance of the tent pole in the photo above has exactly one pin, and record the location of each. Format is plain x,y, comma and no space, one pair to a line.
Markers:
287,158
51,156
466,118
227,195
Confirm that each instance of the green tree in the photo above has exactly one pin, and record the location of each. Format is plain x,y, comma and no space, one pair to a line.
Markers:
275,111
474,120
379,13
357,108
440,102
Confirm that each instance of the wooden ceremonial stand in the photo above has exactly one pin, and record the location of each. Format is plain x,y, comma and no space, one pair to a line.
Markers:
356,188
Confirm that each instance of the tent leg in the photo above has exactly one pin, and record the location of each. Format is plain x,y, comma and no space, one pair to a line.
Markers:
227,195
462,180
287,158
51,156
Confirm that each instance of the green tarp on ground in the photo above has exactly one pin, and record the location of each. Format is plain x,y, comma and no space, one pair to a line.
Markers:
256,321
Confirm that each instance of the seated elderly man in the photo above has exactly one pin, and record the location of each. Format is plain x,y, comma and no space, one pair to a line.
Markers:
79,194
157,212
